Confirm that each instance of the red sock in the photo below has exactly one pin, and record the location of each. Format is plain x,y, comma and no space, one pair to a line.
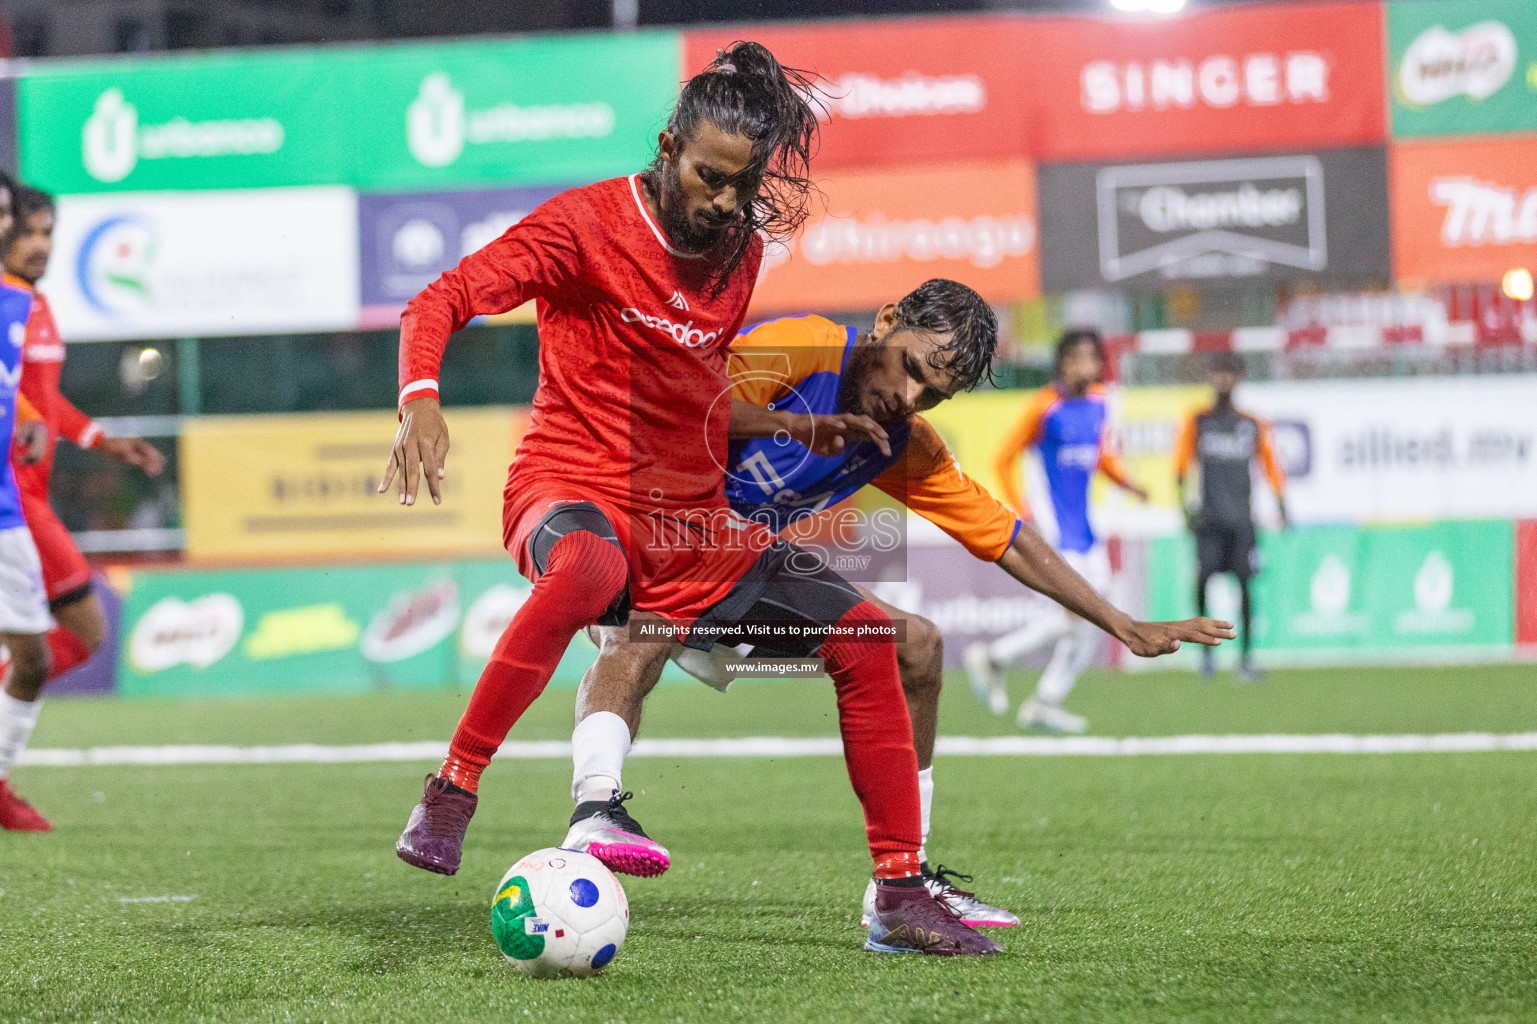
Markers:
877,741
67,651
583,574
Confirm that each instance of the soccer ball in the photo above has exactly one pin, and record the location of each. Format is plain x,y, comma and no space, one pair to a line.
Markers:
559,914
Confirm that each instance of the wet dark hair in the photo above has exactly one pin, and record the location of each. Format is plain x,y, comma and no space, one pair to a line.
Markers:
746,92
1071,339
26,200
939,306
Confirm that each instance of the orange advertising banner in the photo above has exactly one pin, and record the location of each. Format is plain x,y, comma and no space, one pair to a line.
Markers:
1463,211
882,233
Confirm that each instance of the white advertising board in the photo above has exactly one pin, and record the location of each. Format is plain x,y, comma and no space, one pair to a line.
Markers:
1402,450
173,264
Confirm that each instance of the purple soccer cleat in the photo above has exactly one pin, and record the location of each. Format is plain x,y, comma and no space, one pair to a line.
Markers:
911,920
434,836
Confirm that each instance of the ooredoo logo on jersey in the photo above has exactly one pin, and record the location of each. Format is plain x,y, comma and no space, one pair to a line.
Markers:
685,334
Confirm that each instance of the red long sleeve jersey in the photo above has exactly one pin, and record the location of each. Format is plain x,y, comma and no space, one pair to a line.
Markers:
43,362
633,399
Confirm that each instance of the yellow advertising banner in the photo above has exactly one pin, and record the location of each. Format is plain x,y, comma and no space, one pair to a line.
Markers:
305,486
1144,420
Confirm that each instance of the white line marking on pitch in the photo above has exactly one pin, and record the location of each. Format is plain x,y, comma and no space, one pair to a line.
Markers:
775,746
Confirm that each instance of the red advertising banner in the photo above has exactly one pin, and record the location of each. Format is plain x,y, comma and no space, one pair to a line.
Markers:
1260,77
1463,211
884,232
901,92
1526,582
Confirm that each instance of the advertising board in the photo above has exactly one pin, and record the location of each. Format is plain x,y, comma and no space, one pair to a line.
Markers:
1321,215
305,486
1462,67
332,628
884,232
177,264
1251,77
1464,209
901,91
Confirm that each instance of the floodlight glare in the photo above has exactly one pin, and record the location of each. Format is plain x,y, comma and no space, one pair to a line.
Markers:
1517,284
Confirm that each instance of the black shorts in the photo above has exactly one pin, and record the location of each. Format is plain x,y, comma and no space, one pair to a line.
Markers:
1227,549
783,606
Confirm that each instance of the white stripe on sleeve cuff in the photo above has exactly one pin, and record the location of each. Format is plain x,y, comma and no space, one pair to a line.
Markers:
90,435
417,388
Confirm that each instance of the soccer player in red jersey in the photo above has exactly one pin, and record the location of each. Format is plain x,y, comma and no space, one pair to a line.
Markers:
75,607
615,498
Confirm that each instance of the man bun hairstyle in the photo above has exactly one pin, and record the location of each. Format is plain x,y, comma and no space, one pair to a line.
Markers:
746,92
1074,337
940,306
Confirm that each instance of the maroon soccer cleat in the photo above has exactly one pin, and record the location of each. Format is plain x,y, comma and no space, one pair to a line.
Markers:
434,836
911,920
16,815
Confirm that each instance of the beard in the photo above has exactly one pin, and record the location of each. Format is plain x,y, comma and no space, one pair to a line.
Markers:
681,229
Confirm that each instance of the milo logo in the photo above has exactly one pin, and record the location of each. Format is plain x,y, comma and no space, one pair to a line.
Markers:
1475,62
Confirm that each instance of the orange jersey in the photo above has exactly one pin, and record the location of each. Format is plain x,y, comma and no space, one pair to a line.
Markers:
796,364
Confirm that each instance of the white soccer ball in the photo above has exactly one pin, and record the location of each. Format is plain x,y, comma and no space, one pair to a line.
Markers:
559,914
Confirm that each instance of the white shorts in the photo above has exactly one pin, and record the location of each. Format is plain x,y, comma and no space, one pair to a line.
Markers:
23,600
1093,565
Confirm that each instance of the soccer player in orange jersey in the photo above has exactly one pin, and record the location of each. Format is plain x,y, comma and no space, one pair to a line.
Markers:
1067,421
790,373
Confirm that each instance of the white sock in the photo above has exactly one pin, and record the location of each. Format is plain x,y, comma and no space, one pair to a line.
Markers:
17,718
1074,653
599,744
925,805
1048,628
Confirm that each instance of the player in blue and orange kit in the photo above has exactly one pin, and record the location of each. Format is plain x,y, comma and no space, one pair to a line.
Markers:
1066,421
789,375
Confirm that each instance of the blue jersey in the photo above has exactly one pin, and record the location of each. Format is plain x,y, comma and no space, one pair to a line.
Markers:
1070,433
796,364
15,308
776,480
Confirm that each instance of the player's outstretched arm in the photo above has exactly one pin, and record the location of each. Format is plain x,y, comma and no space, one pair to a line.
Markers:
135,451
421,449
1032,561
824,435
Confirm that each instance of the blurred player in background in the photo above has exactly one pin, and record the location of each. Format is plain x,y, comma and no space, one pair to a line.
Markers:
80,625
790,374
612,500
24,618
1224,442
1066,421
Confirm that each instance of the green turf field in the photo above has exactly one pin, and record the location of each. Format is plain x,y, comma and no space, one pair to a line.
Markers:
1204,887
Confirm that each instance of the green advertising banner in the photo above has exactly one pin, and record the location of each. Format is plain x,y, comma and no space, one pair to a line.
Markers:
353,628
1393,593
411,117
246,120
1462,67
514,111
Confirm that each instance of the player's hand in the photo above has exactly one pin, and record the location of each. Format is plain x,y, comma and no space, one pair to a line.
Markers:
829,435
421,449
31,442
1150,639
135,451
